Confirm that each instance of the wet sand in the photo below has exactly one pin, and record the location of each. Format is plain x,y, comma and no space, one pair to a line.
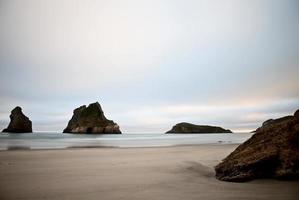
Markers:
181,172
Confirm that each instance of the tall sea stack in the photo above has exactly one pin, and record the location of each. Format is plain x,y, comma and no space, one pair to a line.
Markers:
91,119
19,123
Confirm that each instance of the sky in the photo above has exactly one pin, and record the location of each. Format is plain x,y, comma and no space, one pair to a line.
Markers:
150,64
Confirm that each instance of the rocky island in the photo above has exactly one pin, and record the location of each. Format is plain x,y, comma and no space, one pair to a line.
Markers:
19,123
192,128
272,152
91,119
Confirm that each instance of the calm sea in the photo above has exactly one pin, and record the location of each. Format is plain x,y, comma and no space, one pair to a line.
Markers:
47,140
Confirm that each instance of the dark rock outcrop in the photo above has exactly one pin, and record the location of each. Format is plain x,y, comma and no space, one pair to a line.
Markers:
272,152
273,121
91,119
19,123
192,128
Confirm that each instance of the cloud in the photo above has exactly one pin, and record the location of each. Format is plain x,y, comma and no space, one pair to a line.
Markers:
237,116
149,62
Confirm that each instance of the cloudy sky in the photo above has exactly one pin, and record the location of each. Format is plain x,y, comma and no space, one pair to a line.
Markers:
150,63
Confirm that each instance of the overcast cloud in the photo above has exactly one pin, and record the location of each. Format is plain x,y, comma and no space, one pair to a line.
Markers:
150,64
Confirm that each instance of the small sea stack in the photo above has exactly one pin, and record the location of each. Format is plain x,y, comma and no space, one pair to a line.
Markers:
272,152
193,128
91,119
19,123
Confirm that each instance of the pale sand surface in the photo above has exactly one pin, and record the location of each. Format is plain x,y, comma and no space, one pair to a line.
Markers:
182,172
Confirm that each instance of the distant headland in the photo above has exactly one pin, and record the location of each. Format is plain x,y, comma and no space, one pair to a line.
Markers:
185,127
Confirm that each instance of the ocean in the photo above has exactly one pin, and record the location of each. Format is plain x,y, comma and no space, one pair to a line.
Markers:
47,140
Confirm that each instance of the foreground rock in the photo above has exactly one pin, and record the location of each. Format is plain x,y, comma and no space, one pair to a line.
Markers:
19,123
272,152
272,121
192,128
91,119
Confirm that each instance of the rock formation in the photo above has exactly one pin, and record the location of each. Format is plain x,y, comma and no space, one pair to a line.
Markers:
273,121
272,152
19,123
192,128
91,119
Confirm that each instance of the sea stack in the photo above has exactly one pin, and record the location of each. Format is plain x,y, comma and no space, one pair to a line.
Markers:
192,128
272,152
91,119
19,123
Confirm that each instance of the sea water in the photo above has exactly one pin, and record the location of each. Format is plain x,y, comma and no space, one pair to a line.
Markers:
47,140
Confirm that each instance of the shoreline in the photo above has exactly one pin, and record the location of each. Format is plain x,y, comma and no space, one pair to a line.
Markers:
59,141
113,147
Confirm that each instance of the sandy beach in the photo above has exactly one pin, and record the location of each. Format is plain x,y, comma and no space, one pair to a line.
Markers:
180,172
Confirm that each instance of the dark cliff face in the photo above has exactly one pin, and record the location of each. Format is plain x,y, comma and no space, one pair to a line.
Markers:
19,123
90,119
192,128
272,152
